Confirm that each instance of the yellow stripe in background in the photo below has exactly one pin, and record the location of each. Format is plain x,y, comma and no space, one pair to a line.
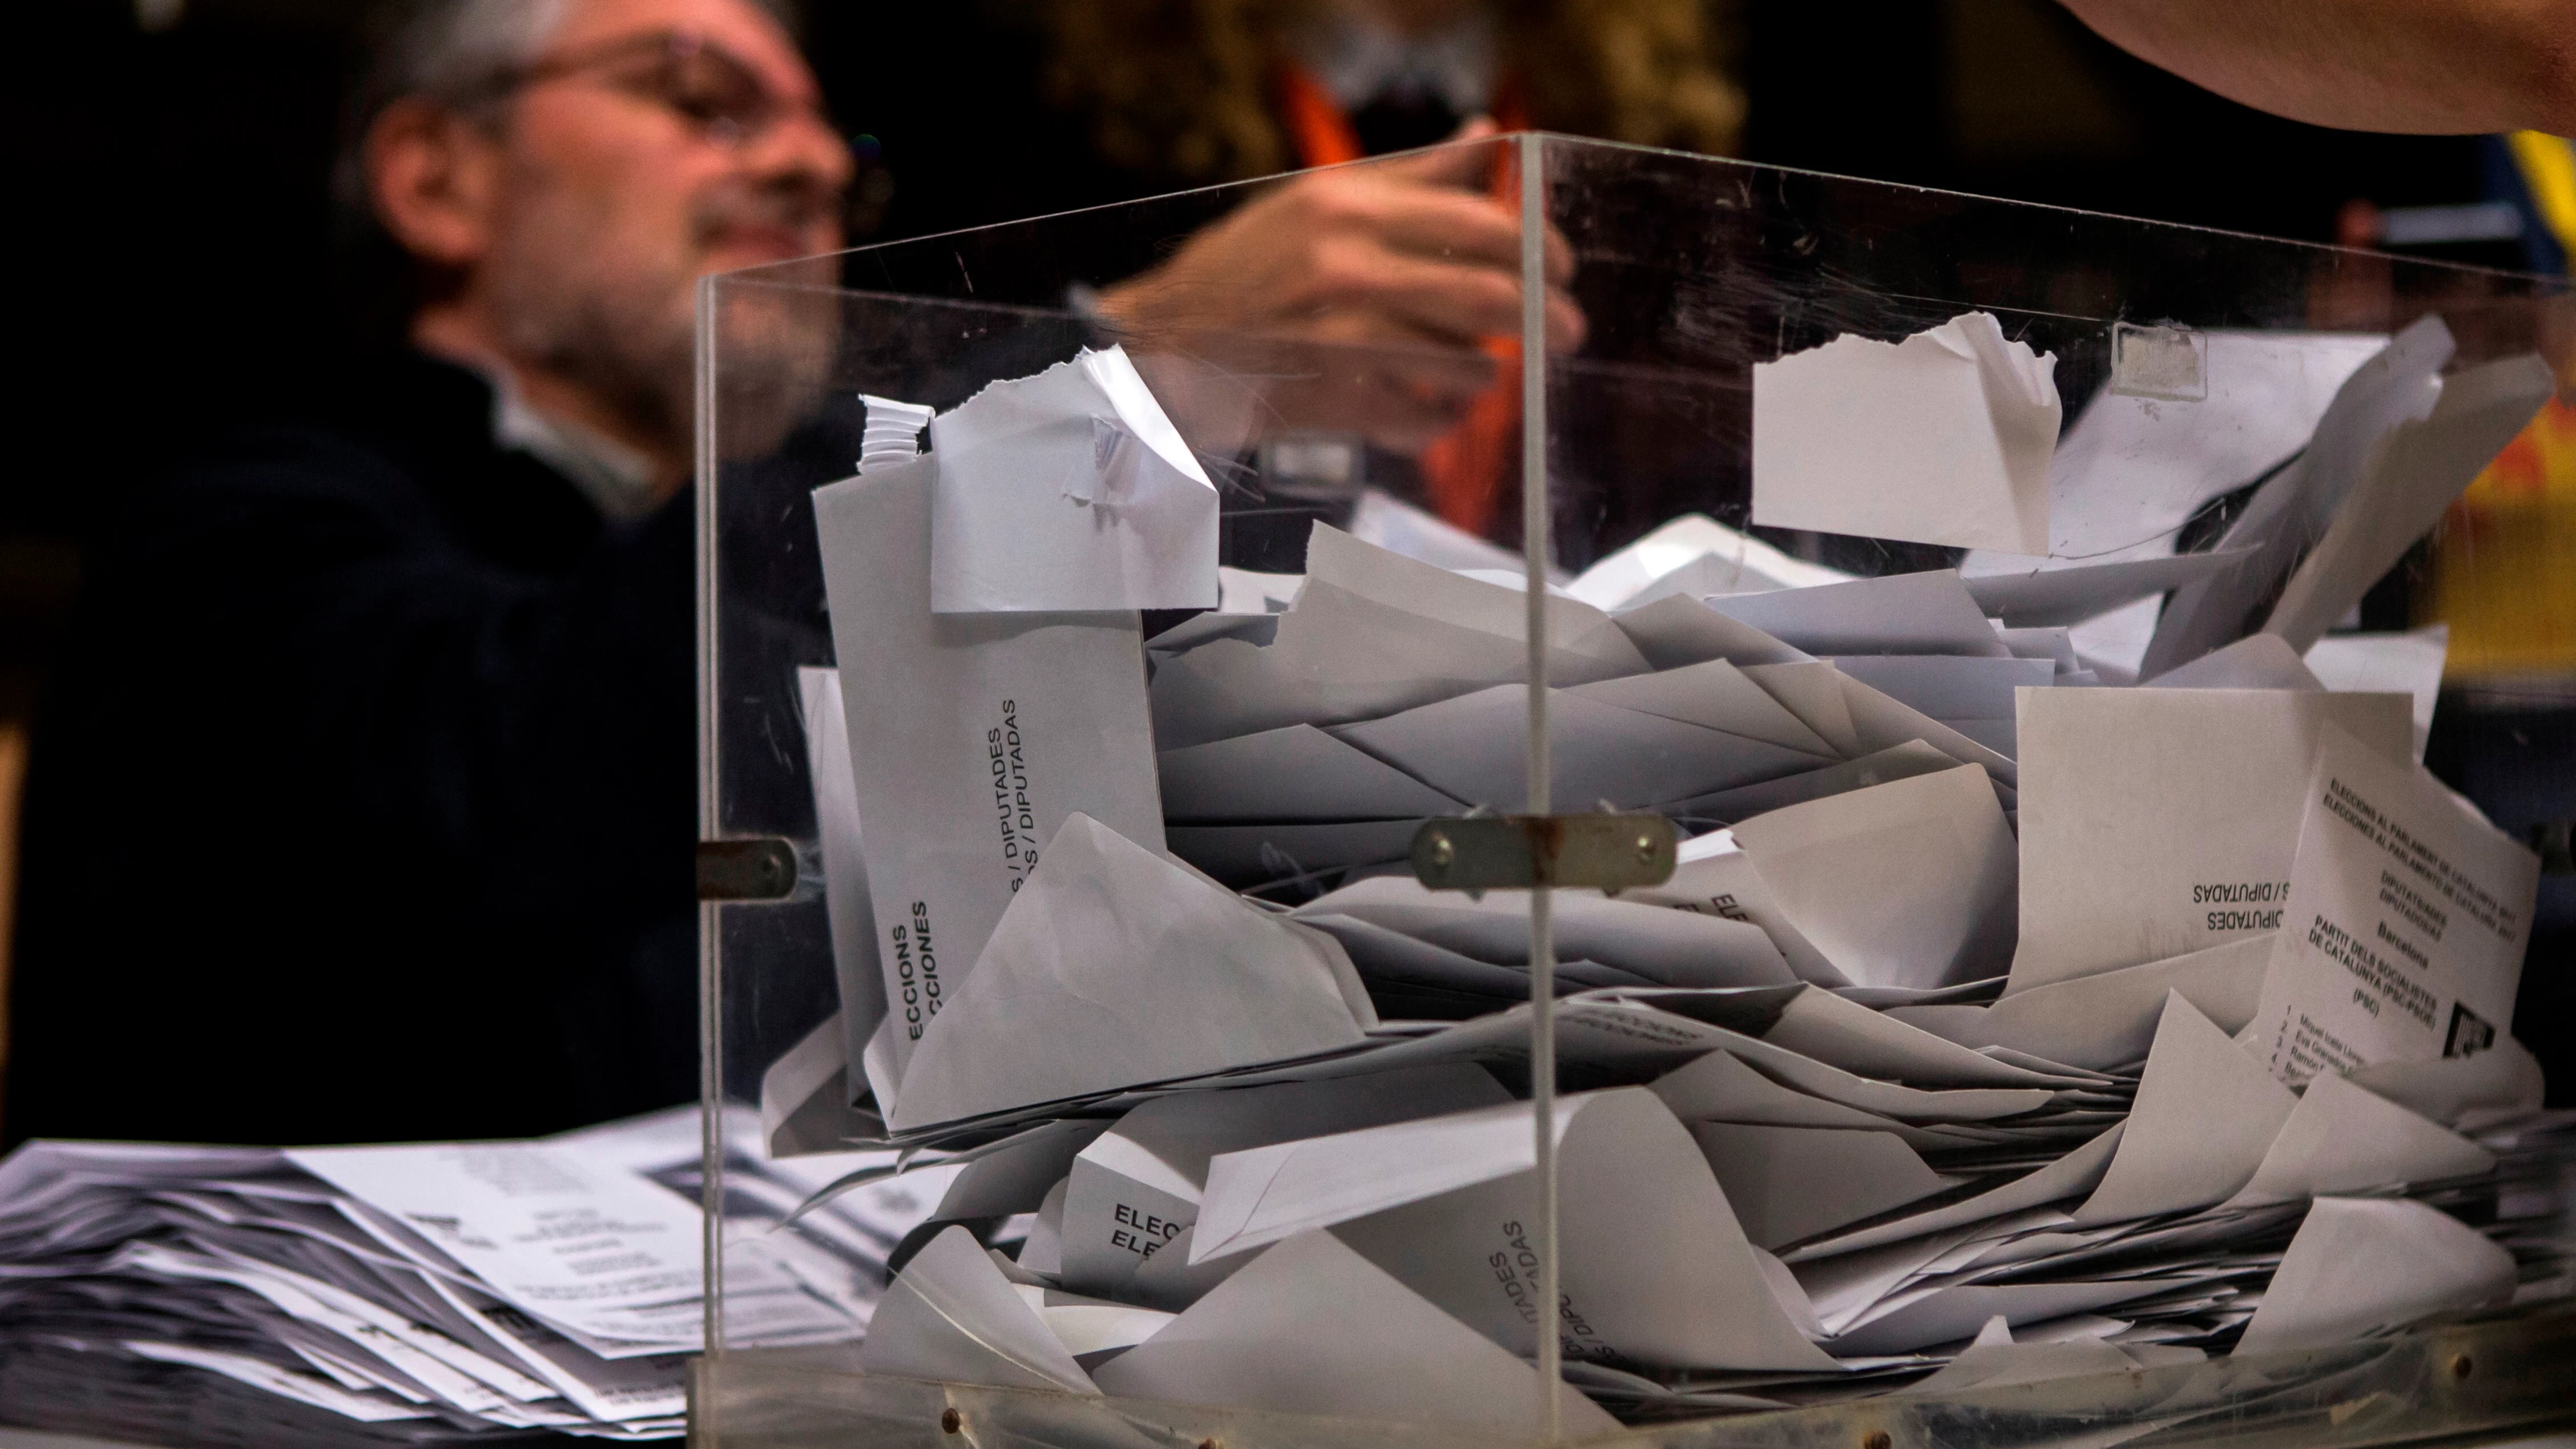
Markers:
2548,166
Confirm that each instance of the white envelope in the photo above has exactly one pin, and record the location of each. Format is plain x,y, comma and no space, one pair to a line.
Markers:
1714,876
1665,947
2257,661
2466,1093
950,1316
2108,1020
1788,1183
2406,922
1679,630
2345,1138
1136,1188
1655,1268
2406,482
1901,762
1942,438
2409,663
1310,1327
1141,971
1067,491
1475,747
1293,773
2024,593
2296,506
1372,634
2073,1175
1697,554
2361,1265
845,872
1908,883
1919,613
2205,1114
1715,695
1950,689
971,738
2157,822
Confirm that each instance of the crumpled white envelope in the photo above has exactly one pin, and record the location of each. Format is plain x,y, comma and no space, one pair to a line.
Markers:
1069,491
1942,438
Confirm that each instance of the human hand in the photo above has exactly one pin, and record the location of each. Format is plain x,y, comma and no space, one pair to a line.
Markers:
1355,297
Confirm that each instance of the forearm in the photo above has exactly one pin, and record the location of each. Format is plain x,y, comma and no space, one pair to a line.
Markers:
2422,66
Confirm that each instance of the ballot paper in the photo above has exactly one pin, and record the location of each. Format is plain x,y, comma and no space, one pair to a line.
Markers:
2404,926
601,1255
1135,1189
2405,483
1066,491
1656,1269
1694,556
1310,1327
2156,822
845,873
1145,971
1908,883
1942,438
2361,1265
972,739
232,1286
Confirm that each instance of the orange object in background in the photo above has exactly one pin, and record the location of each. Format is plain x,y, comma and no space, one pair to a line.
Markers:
2504,563
1462,470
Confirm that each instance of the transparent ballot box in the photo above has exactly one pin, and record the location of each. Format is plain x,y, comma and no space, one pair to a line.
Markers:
1224,714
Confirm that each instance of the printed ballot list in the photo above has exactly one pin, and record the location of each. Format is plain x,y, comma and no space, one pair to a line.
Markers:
2405,923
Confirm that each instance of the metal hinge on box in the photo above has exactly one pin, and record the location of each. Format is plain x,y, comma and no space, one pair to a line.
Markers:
1608,852
762,868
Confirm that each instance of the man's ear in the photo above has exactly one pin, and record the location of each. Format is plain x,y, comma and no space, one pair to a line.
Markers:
432,178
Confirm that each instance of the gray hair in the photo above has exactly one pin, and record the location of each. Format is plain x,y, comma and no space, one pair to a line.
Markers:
447,51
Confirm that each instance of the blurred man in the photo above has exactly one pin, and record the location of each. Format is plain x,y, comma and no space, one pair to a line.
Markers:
362,808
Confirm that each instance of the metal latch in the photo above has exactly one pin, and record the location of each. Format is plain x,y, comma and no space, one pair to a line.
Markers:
1609,852
762,868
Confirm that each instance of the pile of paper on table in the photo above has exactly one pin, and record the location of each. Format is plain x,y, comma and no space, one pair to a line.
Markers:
409,1294
2003,1019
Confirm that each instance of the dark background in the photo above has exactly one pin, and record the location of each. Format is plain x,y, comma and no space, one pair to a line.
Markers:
169,258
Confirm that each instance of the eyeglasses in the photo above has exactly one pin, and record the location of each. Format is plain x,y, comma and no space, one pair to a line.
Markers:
715,91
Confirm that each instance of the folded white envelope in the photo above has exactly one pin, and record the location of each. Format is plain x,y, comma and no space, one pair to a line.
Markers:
1114,967
2361,1265
1310,1327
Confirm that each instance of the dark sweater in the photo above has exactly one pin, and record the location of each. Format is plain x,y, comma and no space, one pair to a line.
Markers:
360,809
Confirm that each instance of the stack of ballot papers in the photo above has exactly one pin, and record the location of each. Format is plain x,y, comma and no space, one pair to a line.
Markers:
410,1294
2006,1016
